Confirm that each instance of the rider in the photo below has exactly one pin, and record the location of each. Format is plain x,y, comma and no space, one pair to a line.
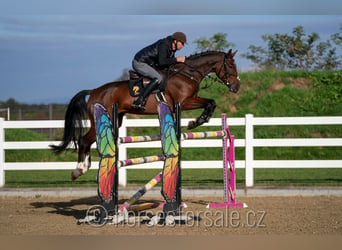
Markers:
154,57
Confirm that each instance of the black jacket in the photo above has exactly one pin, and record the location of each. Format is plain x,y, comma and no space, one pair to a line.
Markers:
158,55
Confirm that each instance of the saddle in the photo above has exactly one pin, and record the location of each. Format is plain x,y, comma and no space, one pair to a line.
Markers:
138,82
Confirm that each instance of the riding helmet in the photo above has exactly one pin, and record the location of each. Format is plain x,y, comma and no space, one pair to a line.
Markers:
179,36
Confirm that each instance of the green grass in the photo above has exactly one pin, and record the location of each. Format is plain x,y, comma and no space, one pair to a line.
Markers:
263,94
48,178
190,178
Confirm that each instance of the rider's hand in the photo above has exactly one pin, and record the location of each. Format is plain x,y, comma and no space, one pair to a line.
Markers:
181,59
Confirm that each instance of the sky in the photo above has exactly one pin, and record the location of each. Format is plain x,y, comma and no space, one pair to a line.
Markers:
50,50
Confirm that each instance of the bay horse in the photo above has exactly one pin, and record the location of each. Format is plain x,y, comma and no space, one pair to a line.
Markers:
183,84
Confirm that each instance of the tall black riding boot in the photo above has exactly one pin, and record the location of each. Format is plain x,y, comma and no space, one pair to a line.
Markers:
138,103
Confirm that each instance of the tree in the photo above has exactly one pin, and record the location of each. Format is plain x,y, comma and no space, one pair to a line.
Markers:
218,42
326,56
296,51
300,49
337,37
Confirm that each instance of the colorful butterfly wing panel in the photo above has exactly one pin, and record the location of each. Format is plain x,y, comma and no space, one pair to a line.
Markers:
170,149
107,151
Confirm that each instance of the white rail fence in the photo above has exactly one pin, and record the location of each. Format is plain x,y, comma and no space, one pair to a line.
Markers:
249,143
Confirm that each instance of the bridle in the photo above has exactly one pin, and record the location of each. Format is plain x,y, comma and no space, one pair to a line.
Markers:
225,80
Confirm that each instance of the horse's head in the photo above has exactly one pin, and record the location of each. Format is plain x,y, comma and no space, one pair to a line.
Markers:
227,72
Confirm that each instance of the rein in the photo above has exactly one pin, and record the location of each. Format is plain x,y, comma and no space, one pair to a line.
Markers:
184,73
203,76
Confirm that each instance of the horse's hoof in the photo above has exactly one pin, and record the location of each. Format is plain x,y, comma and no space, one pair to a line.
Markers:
73,177
75,174
191,124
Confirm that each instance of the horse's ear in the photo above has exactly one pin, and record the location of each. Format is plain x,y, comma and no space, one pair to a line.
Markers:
234,53
229,51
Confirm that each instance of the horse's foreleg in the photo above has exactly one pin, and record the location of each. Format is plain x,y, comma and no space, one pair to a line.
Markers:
209,106
207,113
84,157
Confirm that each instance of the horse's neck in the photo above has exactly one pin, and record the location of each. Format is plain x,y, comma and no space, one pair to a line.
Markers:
206,65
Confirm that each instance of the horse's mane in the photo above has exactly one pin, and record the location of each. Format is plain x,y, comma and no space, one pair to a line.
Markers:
195,60
204,53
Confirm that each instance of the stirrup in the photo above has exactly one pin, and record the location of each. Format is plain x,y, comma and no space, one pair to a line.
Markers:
139,106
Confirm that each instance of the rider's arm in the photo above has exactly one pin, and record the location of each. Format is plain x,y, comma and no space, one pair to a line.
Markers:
163,56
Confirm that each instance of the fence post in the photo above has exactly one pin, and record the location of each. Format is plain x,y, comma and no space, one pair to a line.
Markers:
122,154
2,152
249,150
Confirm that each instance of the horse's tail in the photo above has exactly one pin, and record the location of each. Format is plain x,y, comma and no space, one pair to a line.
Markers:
73,124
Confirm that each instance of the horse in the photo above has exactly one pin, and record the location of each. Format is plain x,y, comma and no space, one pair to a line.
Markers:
183,85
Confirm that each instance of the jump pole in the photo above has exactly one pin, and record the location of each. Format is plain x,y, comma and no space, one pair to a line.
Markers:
141,192
148,186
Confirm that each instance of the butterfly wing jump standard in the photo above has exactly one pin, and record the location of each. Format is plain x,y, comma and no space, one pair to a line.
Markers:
171,169
106,146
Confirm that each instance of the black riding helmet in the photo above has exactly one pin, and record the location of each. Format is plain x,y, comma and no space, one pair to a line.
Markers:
179,36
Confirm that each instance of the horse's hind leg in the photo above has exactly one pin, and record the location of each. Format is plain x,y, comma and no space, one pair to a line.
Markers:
84,146
209,108
84,157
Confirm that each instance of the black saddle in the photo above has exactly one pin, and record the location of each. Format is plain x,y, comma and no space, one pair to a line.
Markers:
138,82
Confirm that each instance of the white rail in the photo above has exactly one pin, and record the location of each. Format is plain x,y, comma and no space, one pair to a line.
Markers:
249,143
